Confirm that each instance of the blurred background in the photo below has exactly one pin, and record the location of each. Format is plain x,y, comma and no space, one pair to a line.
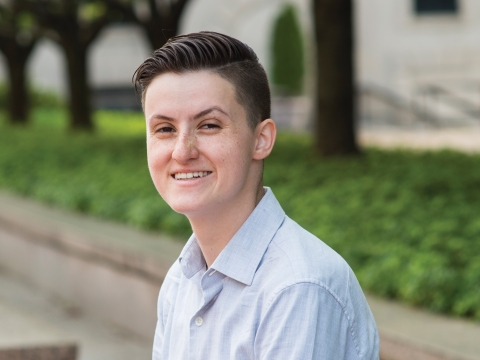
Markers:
378,106
414,60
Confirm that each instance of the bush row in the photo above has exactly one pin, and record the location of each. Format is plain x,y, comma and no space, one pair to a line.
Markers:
407,222
38,97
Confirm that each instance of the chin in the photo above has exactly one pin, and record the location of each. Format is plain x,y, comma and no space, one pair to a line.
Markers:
188,202
185,208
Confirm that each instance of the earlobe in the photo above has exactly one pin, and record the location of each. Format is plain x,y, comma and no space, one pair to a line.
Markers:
265,134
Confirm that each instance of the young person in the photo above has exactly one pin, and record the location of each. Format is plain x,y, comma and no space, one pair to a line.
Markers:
250,283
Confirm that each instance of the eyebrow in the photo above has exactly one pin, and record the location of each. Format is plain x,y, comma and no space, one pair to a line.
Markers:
197,116
160,117
208,111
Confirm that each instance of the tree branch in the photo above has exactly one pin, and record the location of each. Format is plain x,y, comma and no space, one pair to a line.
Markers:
93,29
125,9
177,9
154,13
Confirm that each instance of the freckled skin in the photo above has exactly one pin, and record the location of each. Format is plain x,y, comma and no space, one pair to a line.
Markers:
220,142
195,124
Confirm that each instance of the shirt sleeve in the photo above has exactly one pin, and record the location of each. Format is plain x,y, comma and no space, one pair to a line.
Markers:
305,321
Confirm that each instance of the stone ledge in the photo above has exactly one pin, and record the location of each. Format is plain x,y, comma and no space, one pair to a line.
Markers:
62,352
144,254
409,333
406,333
23,336
392,348
108,270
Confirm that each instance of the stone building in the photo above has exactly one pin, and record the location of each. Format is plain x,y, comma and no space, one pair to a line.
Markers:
416,60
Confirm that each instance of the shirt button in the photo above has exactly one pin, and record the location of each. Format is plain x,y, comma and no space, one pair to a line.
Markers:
198,321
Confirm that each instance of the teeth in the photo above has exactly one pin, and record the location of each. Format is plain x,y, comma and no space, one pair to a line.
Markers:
190,175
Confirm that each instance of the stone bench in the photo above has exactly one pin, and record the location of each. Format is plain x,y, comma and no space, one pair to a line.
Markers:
25,337
61,352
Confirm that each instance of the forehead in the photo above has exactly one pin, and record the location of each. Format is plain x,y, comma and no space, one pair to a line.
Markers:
189,91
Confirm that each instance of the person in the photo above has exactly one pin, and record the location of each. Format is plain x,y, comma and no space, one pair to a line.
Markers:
250,283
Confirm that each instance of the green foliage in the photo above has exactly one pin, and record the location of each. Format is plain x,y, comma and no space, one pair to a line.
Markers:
25,21
407,222
38,98
288,63
92,10
18,22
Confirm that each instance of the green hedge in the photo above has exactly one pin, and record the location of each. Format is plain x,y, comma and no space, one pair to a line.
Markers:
38,98
407,222
288,60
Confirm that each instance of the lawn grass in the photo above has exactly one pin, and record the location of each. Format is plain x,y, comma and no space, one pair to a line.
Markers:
407,222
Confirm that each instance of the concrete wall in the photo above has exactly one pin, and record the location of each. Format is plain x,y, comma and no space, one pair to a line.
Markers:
119,49
248,20
113,58
403,51
396,49
119,297
110,271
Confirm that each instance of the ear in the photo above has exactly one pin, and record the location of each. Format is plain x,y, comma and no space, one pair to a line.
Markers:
265,134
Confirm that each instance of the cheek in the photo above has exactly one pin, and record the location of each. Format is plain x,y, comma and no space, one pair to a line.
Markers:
238,156
157,158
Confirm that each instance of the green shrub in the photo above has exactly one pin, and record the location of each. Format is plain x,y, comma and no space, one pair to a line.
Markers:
406,222
288,63
38,98
45,98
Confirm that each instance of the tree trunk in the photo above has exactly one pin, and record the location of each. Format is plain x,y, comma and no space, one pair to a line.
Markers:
18,96
158,32
79,90
335,99
156,37
163,23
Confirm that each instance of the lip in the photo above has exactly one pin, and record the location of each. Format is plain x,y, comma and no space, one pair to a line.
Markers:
192,183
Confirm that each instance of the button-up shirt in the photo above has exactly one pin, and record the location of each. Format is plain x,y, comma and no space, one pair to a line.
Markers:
275,292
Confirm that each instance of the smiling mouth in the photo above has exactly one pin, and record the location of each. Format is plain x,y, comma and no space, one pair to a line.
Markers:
191,175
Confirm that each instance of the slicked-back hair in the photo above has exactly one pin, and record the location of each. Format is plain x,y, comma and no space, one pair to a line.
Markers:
230,58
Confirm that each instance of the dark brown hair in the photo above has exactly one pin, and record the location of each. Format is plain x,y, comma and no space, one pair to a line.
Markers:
230,58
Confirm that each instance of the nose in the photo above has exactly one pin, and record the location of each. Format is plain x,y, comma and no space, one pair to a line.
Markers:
185,148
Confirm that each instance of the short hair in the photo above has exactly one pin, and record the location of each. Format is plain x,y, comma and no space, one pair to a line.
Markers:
230,58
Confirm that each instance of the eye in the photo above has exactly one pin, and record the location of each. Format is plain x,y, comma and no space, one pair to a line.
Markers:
165,129
209,126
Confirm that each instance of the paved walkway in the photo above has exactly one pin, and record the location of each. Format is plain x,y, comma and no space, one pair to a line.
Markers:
410,333
406,333
31,317
465,139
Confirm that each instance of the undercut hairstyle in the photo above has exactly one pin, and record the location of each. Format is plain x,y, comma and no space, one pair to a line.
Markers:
220,54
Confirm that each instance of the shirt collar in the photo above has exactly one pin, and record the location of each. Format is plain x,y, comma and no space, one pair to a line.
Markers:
239,260
191,258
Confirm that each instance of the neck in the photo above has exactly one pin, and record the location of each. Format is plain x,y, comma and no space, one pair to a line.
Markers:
215,229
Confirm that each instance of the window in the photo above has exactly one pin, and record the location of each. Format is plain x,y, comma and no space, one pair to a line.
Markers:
436,6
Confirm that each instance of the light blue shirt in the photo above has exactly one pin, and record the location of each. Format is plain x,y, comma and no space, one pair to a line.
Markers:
275,292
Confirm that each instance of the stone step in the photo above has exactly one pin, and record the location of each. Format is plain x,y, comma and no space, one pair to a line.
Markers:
114,272
23,337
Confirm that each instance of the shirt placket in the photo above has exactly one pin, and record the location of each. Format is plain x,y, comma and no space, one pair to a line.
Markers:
211,286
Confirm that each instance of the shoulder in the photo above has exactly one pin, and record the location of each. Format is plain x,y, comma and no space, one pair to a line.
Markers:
303,268
297,256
